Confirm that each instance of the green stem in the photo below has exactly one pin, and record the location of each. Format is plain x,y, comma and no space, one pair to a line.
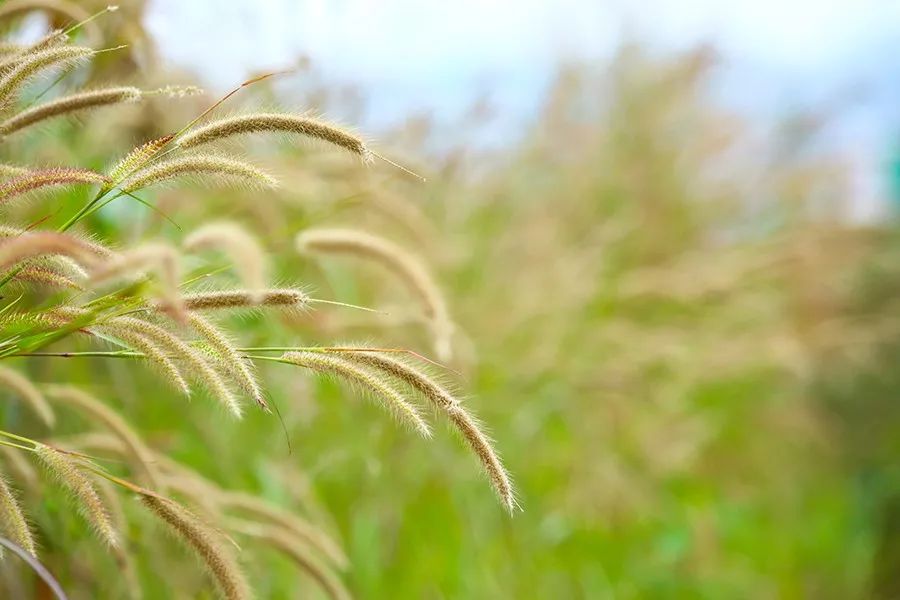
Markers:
18,438
97,354
14,445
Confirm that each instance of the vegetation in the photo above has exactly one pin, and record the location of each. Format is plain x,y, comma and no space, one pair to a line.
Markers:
682,345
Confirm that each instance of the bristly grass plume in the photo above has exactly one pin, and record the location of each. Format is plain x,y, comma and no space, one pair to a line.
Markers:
71,296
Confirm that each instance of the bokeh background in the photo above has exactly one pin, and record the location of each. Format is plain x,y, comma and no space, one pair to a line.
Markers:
667,233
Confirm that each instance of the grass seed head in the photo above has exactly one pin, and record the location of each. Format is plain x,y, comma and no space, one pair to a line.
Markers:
205,165
229,299
12,520
401,262
242,248
238,368
33,63
95,410
153,352
137,158
444,401
29,393
68,105
274,122
365,379
40,275
43,178
69,475
195,364
206,543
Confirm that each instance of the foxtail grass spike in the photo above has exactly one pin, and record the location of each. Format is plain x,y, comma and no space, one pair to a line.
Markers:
205,542
201,165
152,352
401,262
137,158
31,64
12,520
94,409
242,248
238,368
43,178
366,380
68,474
444,401
68,105
29,393
274,122
229,299
195,365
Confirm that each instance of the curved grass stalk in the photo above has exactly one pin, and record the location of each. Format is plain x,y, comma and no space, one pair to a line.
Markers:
93,408
302,529
444,401
205,542
29,393
243,249
43,178
196,365
273,122
236,366
276,539
404,264
368,381
12,519
68,474
67,105
35,566
200,165
32,64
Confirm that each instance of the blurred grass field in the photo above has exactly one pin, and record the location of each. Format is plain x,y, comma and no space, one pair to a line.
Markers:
683,348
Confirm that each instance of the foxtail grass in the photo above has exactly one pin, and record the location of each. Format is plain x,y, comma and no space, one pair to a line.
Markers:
68,105
67,472
33,63
367,381
137,158
155,354
231,299
34,274
206,543
210,166
243,249
398,260
446,403
238,368
29,393
31,181
12,520
195,364
273,122
278,539
95,410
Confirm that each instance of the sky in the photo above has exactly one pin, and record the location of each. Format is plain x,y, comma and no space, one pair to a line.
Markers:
438,57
